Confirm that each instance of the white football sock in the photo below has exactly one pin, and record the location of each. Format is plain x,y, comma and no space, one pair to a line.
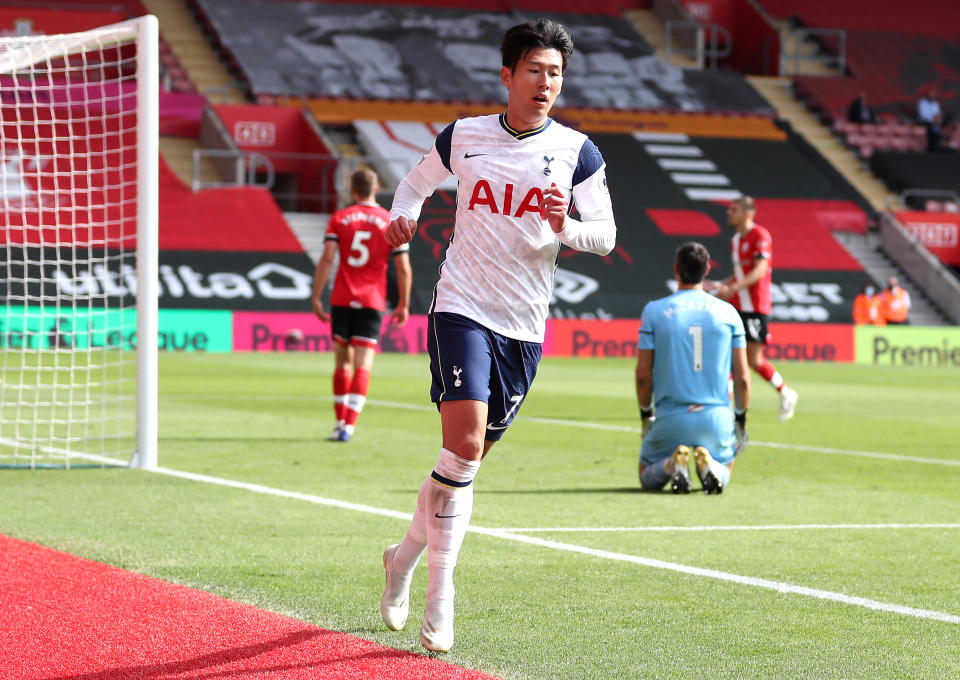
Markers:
415,542
449,504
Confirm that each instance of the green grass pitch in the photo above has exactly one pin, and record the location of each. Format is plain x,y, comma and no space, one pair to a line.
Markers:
811,506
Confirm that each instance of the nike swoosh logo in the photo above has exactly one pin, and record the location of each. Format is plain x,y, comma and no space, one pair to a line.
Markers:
473,155
497,427
439,516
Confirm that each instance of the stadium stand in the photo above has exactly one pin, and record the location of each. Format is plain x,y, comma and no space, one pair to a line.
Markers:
65,16
420,57
893,54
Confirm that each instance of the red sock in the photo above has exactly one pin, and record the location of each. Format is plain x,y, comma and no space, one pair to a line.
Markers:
341,385
357,395
769,373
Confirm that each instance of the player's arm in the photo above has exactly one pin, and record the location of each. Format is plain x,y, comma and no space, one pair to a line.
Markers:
596,230
741,379
404,280
730,286
416,187
644,386
320,278
741,397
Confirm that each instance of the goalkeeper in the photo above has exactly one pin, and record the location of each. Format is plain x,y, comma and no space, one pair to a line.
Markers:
688,343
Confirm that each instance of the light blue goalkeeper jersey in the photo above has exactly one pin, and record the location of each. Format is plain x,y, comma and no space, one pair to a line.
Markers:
692,335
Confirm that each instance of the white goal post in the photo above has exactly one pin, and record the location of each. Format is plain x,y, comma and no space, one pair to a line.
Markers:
79,155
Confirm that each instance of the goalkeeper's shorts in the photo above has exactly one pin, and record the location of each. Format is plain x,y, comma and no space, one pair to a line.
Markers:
711,427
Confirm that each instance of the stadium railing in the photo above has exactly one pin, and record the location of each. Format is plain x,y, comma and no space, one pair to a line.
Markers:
938,282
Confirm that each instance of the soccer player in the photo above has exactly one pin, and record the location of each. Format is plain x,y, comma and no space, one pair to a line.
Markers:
359,295
517,172
687,345
749,291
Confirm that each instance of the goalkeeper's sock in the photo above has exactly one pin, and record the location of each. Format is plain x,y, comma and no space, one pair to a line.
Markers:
341,385
357,395
655,476
449,504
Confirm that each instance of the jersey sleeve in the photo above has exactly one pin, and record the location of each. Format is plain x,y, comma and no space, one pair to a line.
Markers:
645,335
764,246
333,229
421,182
596,230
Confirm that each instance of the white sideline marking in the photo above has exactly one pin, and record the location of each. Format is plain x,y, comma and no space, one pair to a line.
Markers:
768,584
742,527
636,430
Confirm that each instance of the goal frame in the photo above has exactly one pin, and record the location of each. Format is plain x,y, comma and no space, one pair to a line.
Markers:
145,32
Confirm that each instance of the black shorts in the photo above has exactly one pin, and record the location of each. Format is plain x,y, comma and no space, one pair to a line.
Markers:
755,325
351,326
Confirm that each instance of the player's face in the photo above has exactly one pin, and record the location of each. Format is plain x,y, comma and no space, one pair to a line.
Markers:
737,215
533,86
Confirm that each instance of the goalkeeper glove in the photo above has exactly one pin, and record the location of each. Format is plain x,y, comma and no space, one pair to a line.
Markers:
646,419
740,431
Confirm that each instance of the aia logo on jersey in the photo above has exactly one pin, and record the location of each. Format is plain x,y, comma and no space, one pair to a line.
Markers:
504,202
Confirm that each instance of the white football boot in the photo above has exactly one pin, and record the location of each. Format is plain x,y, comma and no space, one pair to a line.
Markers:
395,603
788,403
436,633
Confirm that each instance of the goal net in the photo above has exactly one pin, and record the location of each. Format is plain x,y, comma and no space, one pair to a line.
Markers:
78,247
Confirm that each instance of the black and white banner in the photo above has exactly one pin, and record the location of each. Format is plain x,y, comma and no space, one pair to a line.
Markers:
187,279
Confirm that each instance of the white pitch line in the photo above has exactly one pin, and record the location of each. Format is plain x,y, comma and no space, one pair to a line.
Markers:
511,535
636,430
768,584
743,527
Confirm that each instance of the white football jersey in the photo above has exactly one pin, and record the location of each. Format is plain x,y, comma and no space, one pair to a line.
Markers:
501,259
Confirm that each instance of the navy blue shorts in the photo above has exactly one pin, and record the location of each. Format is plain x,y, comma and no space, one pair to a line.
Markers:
469,361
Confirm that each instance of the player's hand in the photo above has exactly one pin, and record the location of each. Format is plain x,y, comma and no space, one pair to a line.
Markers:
741,438
319,311
646,425
710,285
555,208
724,291
400,231
400,316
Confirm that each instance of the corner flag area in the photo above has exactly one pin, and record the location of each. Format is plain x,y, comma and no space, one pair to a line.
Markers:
68,617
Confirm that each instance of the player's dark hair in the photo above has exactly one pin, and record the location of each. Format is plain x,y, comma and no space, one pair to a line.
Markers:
692,260
362,182
746,202
520,39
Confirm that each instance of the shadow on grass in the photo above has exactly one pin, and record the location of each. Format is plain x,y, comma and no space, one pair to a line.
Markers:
615,489
211,665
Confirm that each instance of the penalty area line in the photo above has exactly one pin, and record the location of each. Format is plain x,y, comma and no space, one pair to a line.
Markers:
768,584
